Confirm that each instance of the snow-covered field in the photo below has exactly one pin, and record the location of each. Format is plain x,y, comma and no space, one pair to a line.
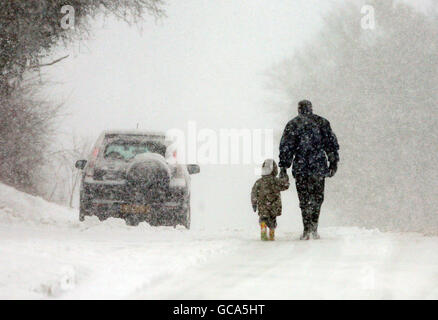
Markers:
45,253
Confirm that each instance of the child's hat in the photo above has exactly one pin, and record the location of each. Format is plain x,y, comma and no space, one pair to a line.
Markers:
268,167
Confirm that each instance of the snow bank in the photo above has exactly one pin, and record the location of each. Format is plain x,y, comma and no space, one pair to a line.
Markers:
45,252
20,207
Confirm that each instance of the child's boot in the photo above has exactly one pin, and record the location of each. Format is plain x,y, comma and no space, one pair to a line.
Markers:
272,234
263,235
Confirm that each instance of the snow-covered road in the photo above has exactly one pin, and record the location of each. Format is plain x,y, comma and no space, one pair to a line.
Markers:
46,253
347,263
111,261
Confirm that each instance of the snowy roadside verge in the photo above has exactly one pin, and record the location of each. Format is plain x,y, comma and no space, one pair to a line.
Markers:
95,263
46,253
21,208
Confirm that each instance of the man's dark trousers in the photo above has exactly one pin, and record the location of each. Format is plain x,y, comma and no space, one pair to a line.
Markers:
311,195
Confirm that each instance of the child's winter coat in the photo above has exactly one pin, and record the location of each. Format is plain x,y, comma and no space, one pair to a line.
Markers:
265,195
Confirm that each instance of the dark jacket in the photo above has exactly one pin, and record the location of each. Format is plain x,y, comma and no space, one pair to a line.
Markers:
308,141
265,195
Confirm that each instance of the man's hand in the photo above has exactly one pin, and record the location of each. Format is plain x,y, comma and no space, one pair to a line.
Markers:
332,169
254,207
283,173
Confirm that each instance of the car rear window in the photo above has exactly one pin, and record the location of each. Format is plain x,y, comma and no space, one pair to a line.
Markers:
126,150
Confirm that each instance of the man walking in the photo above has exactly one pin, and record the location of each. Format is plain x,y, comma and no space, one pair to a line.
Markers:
307,142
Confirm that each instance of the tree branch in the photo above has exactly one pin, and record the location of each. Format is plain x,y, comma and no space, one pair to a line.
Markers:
49,63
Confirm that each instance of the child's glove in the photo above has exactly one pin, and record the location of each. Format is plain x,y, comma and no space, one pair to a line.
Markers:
254,207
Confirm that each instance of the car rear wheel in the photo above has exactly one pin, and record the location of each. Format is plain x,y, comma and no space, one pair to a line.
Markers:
83,205
187,216
81,215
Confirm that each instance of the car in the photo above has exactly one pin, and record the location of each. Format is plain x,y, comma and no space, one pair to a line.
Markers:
136,176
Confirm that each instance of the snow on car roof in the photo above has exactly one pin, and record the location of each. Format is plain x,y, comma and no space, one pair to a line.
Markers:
145,133
136,132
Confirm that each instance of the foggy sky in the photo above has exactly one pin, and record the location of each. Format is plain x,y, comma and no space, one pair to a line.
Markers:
204,62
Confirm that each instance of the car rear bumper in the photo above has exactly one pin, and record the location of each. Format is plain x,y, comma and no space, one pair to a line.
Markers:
122,192
107,200
156,215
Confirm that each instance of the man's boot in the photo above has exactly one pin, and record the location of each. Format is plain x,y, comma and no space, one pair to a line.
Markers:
315,235
307,221
263,234
272,234
314,225
305,235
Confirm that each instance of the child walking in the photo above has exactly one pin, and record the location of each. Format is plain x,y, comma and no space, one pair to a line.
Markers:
265,197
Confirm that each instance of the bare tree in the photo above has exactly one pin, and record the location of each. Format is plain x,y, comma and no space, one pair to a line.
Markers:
26,127
60,179
30,29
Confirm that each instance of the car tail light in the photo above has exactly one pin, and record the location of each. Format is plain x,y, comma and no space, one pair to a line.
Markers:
92,163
